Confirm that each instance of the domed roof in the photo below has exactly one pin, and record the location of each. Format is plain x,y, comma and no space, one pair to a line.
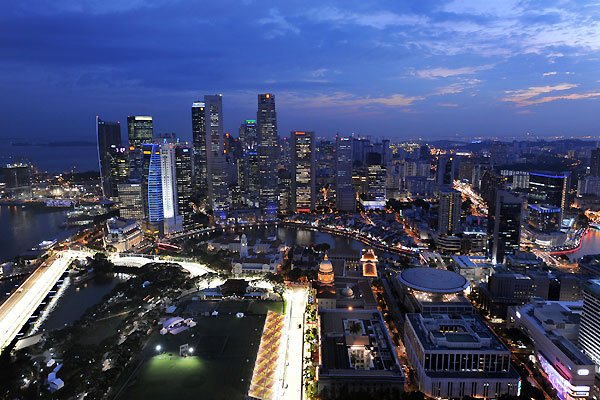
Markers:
326,265
433,280
347,292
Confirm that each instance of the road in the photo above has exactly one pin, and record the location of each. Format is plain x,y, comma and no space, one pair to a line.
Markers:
17,309
296,298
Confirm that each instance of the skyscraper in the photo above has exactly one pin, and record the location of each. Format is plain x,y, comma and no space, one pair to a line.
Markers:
595,162
183,173
447,170
154,183
449,212
199,146
345,195
549,189
17,177
268,154
303,171
248,134
504,225
131,204
216,164
109,136
139,130
589,341
168,175
119,168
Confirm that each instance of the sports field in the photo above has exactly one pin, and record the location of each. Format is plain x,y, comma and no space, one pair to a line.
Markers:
224,351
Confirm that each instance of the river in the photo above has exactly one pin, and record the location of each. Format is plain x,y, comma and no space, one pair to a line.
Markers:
23,228
590,244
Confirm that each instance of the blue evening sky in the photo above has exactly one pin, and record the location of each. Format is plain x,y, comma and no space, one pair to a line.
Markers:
420,68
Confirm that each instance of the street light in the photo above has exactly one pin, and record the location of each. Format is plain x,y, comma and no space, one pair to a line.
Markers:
158,347
191,350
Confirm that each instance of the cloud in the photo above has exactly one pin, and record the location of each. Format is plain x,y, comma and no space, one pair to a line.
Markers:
279,25
536,95
551,73
374,19
457,87
347,100
448,105
443,72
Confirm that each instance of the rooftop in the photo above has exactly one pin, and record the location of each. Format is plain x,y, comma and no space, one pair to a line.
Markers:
433,280
454,332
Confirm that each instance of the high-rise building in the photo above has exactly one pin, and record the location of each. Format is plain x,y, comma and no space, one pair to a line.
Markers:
504,225
216,163
109,136
549,189
589,340
447,170
183,173
139,130
154,184
168,176
374,193
131,204
268,154
595,162
303,171
345,195
284,183
199,146
17,177
249,134
449,212
119,170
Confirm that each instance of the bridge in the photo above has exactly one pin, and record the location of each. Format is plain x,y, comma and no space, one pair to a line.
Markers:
22,303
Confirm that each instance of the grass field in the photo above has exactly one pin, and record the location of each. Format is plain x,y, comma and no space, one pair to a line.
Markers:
221,366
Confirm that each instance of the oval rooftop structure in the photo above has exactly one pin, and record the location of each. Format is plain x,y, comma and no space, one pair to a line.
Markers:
433,280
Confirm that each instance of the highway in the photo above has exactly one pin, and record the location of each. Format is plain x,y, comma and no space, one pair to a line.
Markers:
296,298
17,309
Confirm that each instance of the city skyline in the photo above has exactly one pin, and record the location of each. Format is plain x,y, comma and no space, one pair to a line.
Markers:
453,69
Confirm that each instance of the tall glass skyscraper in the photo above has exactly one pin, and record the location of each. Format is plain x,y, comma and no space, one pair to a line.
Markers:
183,173
345,195
199,146
109,137
504,225
216,163
139,130
155,185
303,171
268,154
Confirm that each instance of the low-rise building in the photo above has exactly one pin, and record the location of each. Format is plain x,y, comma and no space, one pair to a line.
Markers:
123,234
357,354
458,355
553,327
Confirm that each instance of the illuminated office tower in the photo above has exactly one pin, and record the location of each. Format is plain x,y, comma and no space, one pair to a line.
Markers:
216,163
154,185
449,212
168,175
268,155
549,189
131,204
595,162
345,195
248,134
17,178
504,225
139,130
109,136
250,178
119,168
303,171
199,146
183,173
447,170
589,341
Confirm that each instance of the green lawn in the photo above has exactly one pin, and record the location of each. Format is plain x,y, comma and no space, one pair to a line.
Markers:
224,352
